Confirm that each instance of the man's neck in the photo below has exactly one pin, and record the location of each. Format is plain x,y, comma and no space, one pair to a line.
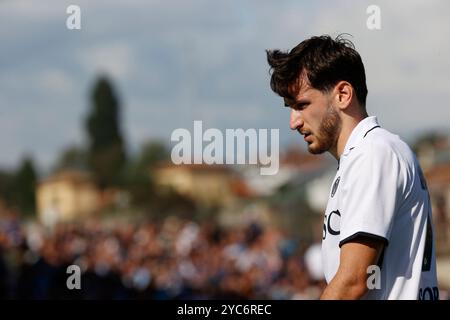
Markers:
348,125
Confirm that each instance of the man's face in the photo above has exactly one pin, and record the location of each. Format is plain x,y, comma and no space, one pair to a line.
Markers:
313,116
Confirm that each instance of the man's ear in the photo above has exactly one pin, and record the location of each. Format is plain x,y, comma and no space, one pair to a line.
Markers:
343,94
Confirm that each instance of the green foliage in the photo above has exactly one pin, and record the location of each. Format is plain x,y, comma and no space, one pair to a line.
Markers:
152,152
145,194
6,183
18,188
139,173
106,147
73,157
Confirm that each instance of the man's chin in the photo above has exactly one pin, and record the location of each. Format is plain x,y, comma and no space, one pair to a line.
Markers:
314,149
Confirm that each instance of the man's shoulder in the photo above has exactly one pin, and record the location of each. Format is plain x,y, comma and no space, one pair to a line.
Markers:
381,142
380,145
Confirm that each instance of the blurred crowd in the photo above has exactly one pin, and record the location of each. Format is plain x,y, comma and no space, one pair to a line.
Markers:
170,259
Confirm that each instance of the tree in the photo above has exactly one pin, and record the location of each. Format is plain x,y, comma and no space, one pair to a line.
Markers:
18,188
139,175
72,157
6,183
25,181
106,147
151,153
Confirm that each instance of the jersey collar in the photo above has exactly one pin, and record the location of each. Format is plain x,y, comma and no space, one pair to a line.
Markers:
360,132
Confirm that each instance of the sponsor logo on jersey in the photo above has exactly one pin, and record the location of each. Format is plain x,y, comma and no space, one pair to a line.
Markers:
335,186
332,224
429,293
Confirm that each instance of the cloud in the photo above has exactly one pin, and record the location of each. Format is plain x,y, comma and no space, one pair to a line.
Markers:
176,61
54,82
115,59
24,10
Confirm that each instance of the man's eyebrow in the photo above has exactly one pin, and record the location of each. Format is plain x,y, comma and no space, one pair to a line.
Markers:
292,103
288,102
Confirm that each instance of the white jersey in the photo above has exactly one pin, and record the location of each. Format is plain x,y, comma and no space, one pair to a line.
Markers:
379,191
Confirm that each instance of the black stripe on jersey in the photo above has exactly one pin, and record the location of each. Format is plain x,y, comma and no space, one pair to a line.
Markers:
370,130
364,235
428,250
381,258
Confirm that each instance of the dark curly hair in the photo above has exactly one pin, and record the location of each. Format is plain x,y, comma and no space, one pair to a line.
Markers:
323,61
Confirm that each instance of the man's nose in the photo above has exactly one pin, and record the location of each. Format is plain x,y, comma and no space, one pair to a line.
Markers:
296,121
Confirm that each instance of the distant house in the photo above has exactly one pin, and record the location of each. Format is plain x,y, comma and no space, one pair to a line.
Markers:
207,185
296,167
66,196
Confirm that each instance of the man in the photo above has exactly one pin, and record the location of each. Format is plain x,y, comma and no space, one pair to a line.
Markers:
377,235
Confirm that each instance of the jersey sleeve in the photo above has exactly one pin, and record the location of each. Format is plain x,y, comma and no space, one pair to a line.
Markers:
371,187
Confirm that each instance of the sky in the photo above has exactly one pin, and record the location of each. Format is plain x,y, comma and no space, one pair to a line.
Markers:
173,62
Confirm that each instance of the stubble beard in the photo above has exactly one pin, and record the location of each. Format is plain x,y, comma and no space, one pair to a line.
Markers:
329,130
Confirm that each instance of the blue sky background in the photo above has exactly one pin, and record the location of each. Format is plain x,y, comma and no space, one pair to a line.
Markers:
173,62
